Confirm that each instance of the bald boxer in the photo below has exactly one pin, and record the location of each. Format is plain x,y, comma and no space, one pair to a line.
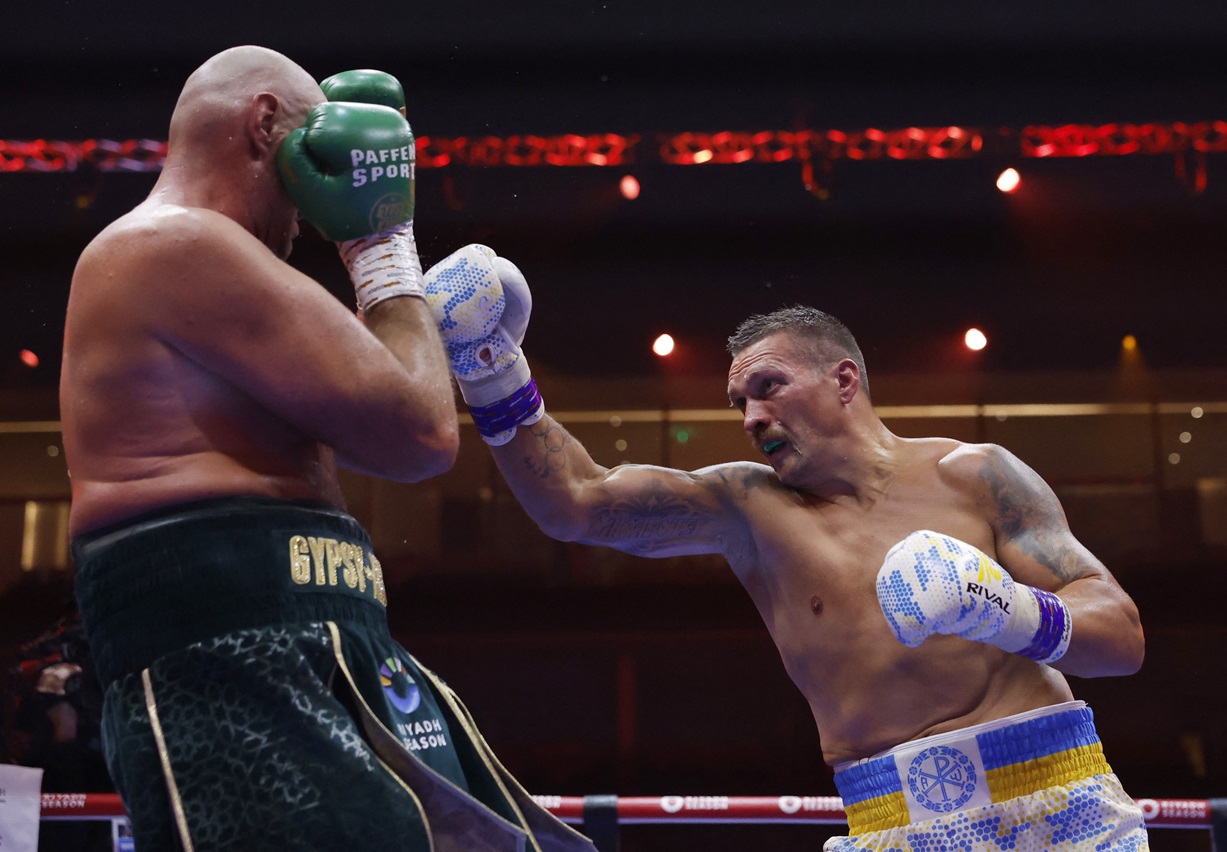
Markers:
235,611
926,595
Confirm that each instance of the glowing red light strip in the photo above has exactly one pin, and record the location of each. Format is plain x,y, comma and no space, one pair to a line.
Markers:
689,148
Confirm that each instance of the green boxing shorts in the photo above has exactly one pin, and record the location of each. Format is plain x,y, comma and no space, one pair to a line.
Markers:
256,700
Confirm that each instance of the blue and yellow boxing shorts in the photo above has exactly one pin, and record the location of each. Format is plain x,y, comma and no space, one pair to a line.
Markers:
1033,782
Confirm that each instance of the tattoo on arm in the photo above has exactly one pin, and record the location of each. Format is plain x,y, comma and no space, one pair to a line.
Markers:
553,441
750,479
737,482
1028,516
654,518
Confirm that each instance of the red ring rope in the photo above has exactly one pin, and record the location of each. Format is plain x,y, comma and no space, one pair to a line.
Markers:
1159,813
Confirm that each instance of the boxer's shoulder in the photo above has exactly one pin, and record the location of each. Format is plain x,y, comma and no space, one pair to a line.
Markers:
742,481
990,475
960,463
151,229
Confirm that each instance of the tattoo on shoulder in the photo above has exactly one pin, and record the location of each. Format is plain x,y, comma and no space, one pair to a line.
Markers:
552,440
738,480
1010,503
1026,513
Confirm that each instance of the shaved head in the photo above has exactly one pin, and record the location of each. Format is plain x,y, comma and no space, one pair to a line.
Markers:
221,90
234,112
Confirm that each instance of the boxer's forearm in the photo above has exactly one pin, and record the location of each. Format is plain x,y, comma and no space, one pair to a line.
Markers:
548,471
1107,638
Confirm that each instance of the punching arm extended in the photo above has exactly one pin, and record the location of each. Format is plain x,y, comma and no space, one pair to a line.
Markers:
482,305
646,510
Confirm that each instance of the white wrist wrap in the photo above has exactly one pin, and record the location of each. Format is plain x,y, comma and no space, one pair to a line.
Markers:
384,265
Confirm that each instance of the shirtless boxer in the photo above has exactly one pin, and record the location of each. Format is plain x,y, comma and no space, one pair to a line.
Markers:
235,611
926,595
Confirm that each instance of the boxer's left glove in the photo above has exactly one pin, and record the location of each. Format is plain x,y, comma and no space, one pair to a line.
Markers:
350,171
481,304
367,86
932,583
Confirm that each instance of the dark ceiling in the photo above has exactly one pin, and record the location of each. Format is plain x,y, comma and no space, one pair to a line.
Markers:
907,253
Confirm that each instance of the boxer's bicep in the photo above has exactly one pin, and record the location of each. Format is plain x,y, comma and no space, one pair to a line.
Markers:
656,511
234,308
1034,540
1037,546
643,509
256,323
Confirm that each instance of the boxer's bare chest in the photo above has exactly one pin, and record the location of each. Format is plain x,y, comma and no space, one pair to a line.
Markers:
813,562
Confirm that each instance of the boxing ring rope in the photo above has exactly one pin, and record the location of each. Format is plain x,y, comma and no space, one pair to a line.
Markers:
827,810
600,815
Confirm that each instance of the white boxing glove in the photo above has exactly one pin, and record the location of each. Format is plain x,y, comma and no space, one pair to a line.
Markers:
481,304
932,583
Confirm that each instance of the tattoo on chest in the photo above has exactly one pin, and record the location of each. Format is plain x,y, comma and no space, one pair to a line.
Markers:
553,440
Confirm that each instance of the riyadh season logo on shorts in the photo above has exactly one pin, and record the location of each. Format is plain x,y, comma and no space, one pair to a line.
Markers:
399,687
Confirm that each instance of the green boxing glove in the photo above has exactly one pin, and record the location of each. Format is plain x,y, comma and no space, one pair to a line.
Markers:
350,171
365,86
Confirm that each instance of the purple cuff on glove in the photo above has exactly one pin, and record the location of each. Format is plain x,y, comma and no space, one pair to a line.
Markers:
507,413
1052,639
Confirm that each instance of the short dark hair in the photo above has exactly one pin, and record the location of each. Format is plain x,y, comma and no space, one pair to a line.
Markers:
830,337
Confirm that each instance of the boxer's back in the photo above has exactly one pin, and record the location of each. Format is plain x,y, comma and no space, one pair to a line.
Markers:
144,424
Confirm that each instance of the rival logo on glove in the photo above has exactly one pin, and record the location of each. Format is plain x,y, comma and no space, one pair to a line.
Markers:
384,163
988,573
988,595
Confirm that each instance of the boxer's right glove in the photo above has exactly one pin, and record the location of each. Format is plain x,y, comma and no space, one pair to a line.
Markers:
481,304
350,171
932,583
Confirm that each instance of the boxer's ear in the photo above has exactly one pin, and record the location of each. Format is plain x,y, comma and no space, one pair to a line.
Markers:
848,376
262,119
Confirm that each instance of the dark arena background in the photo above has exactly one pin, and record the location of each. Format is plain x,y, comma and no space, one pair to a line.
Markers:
835,154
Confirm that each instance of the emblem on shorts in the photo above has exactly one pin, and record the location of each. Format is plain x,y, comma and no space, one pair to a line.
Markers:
398,686
941,778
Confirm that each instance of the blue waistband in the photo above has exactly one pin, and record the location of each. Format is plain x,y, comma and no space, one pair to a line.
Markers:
1000,746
